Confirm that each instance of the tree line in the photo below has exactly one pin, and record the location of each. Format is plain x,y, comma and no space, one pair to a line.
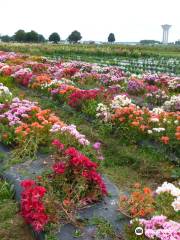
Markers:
34,37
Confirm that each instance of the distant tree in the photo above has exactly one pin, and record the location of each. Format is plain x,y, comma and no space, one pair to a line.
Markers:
41,38
74,37
54,37
6,38
111,38
20,36
31,36
149,42
177,42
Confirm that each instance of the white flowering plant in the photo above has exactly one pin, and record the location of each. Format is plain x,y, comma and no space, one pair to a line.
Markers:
5,94
168,200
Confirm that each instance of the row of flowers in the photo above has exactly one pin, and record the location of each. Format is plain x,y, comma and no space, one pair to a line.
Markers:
26,126
139,123
73,180
105,103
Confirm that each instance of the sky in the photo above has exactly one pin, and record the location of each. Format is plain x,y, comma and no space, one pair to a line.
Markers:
129,20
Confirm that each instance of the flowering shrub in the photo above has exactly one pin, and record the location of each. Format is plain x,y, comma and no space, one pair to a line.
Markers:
39,80
77,168
139,203
32,207
173,104
5,94
156,98
72,183
170,194
23,76
79,97
158,227
135,87
26,125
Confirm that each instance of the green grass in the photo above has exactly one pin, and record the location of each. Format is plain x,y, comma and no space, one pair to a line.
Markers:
104,230
93,50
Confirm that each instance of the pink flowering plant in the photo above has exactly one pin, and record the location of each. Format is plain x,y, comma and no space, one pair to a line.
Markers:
157,227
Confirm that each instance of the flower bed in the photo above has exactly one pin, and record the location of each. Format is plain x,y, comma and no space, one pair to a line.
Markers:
161,210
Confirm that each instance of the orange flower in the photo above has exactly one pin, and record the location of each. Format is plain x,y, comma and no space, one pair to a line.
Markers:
165,139
178,129
135,124
177,135
5,136
37,125
147,190
142,213
66,202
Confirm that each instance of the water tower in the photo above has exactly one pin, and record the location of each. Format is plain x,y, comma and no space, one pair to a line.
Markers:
166,28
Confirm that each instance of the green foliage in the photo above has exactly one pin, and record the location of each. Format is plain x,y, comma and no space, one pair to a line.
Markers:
20,36
74,37
54,37
103,229
146,42
6,38
31,36
89,108
163,206
6,191
130,232
111,37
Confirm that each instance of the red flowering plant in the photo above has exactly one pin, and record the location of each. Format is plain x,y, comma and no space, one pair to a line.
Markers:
72,183
76,176
32,207
85,101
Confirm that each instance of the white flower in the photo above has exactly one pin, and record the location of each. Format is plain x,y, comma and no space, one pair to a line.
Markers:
176,122
158,129
120,101
176,204
169,187
154,119
157,110
150,131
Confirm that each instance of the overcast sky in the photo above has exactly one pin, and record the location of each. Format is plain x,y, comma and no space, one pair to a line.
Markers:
129,20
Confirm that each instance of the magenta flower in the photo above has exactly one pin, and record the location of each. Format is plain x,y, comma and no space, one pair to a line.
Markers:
97,146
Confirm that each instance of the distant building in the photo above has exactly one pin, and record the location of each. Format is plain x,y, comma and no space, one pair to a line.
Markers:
165,28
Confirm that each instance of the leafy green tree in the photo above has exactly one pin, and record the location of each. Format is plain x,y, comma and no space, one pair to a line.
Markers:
111,38
74,37
54,37
41,38
31,36
6,38
177,42
20,36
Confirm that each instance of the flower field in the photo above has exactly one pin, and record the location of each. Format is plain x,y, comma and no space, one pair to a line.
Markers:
92,119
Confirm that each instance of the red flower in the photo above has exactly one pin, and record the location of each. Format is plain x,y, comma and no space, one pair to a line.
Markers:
27,183
59,168
32,207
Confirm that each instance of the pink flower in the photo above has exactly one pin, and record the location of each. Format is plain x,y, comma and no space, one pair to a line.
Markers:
97,145
58,144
